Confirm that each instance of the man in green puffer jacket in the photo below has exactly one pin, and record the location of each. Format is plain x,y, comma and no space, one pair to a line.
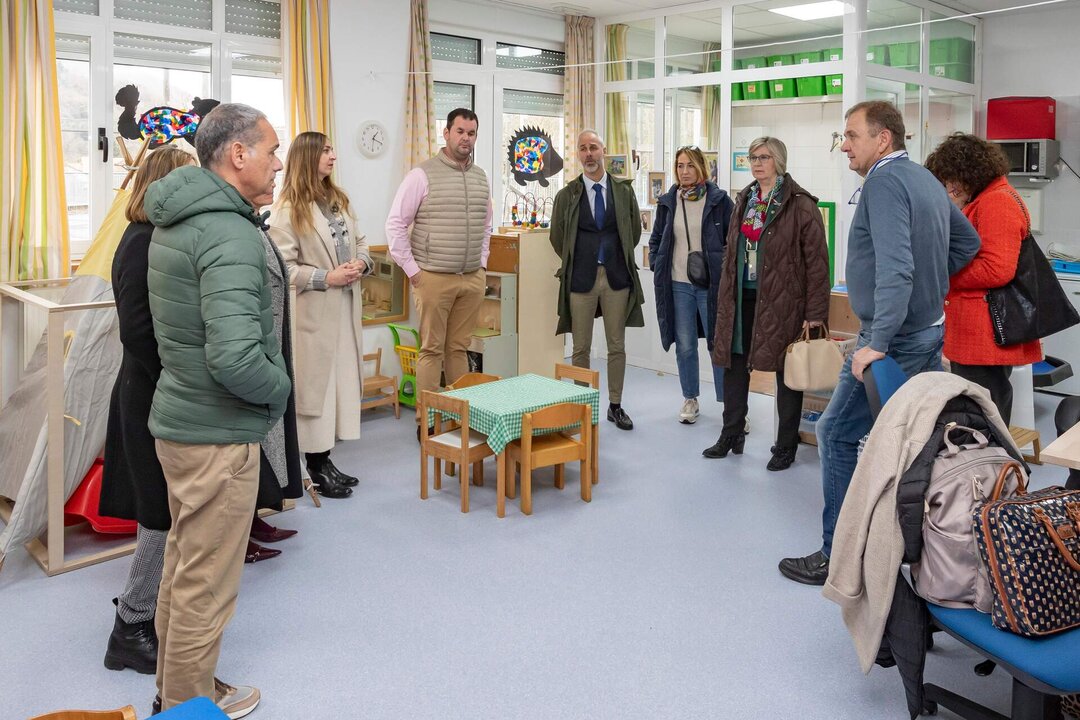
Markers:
223,385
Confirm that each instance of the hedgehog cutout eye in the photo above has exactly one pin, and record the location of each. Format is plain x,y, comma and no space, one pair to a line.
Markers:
532,156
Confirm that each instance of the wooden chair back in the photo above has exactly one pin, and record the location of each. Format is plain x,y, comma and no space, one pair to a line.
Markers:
580,375
124,713
563,415
471,379
444,404
374,356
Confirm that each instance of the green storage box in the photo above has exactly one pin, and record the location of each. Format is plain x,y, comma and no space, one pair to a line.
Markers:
752,63
737,91
756,90
834,84
953,71
811,86
952,50
830,54
779,60
904,54
877,54
782,88
804,58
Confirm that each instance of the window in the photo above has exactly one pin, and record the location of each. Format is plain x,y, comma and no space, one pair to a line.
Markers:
257,81
196,14
454,48
520,57
73,81
541,111
449,96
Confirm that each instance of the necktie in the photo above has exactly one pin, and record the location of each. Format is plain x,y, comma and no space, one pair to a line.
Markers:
598,216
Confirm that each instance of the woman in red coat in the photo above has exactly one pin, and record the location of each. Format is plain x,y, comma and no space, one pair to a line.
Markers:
973,172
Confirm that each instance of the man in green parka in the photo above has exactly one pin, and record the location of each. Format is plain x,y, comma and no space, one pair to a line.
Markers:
595,226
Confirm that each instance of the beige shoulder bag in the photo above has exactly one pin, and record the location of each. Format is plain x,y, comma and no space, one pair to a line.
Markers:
813,365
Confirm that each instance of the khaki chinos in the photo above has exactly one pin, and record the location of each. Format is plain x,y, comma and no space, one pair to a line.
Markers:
212,494
613,305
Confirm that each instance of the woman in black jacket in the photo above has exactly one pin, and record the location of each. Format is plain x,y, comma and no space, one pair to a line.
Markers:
691,217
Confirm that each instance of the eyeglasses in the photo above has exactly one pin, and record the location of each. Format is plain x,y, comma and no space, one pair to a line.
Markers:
760,158
688,147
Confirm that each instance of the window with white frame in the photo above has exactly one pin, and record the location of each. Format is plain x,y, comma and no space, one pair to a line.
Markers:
173,52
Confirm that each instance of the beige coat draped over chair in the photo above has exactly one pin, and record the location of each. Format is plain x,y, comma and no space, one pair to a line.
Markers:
317,312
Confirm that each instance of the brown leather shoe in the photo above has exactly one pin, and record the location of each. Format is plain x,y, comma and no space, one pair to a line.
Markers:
255,553
267,533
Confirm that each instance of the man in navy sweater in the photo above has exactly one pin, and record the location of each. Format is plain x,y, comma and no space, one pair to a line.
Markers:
906,239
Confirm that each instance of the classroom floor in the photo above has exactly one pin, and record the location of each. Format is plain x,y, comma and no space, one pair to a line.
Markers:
660,599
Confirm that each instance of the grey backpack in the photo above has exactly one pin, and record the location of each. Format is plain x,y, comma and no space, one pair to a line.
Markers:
962,478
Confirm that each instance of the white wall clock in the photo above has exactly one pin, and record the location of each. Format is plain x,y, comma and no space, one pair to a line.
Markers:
372,139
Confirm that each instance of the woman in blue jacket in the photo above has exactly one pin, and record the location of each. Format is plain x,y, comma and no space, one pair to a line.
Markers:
686,252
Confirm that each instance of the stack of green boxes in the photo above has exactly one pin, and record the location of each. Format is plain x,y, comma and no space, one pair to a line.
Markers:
813,86
781,88
952,58
736,88
834,84
877,54
904,55
757,89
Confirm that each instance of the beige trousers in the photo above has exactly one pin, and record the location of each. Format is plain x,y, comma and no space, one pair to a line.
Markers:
212,493
582,314
448,305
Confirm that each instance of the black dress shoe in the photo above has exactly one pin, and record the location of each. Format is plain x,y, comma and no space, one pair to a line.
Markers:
346,480
810,570
255,553
327,485
132,645
620,418
782,458
724,445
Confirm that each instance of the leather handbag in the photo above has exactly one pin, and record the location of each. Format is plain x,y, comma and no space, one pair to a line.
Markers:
1033,305
697,267
1031,546
813,365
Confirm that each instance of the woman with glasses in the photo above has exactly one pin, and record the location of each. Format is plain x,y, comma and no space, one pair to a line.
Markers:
974,172
775,284
686,251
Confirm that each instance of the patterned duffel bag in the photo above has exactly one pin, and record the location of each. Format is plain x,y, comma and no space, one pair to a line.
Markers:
1031,546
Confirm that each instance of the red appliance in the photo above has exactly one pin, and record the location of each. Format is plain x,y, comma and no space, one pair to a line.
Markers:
1021,118
83,506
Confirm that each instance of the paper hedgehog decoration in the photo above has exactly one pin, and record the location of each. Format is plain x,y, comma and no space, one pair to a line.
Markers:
532,156
160,125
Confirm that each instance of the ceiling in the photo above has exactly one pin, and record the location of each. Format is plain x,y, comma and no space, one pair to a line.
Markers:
600,8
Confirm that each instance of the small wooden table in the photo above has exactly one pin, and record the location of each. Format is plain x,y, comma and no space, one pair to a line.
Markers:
496,409
1064,451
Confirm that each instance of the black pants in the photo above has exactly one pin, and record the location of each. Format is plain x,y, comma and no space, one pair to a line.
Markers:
737,387
994,378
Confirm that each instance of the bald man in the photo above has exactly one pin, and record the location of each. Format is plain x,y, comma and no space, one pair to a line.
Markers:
595,226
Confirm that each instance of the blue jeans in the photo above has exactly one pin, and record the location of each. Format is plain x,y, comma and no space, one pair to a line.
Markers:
847,418
691,304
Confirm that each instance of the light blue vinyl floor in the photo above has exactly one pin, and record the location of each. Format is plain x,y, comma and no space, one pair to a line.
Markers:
660,599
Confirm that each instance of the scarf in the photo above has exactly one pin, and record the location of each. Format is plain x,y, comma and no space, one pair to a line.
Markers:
756,209
693,193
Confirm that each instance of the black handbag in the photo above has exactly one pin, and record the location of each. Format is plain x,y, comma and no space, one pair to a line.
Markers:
697,267
1033,305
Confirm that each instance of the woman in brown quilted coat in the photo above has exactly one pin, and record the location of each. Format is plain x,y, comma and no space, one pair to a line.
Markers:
775,283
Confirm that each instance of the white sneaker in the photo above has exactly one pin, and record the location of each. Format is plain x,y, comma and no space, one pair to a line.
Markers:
236,702
689,413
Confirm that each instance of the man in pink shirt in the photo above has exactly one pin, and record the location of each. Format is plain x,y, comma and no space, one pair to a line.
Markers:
447,202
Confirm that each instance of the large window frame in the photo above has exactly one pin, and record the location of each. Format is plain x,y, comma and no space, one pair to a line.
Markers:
489,82
99,29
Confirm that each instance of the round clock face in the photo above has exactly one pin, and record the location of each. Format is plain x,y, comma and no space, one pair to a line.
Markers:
372,139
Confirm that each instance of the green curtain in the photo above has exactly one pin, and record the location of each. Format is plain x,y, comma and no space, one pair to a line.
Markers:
710,101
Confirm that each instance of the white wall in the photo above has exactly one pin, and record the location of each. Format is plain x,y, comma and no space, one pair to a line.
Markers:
1035,53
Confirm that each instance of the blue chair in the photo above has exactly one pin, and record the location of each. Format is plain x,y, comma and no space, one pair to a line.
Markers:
885,377
200,708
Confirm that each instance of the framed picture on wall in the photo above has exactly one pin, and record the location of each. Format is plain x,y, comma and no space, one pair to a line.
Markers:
712,158
618,165
656,186
646,220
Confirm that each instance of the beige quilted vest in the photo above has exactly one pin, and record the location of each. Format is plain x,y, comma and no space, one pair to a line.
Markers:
448,230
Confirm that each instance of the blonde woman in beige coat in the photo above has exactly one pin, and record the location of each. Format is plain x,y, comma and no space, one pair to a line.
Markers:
313,225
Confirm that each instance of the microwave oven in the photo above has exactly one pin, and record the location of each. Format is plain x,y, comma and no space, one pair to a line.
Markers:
1031,158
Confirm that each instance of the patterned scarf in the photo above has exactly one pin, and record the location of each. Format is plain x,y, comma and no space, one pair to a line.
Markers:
693,193
756,209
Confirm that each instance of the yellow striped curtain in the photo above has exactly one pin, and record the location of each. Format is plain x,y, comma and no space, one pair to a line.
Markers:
420,140
306,49
710,101
616,105
33,206
579,88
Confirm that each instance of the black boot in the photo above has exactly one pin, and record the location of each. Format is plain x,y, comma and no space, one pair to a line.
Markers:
724,445
326,484
782,458
346,480
132,645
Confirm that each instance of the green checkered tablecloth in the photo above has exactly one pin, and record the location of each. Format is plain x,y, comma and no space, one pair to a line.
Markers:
495,408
